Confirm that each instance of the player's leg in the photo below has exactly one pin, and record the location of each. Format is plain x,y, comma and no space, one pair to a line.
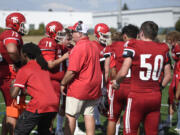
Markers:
8,122
97,119
151,123
152,118
115,108
61,116
178,123
60,121
133,116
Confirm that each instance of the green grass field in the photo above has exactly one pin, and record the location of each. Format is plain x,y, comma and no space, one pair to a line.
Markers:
164,114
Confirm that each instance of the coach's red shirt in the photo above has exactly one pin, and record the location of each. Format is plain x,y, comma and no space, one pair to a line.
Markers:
39,87
149,59
84,60
6,37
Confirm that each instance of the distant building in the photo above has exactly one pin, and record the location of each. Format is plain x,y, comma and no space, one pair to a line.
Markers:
164,17
34,18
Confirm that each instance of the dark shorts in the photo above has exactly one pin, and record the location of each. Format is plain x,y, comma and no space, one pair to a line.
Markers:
28,120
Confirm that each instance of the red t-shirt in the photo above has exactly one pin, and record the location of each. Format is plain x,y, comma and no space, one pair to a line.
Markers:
6,37
84,60
149,59
39,87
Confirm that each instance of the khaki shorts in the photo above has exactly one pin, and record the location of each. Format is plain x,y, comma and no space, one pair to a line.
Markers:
75,107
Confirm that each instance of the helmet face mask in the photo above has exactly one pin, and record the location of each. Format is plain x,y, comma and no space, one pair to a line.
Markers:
104,38
60,35
103,34
22,29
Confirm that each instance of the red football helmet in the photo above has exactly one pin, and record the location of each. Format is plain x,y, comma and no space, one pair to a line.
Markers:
16,21
102,33
176,52
55,30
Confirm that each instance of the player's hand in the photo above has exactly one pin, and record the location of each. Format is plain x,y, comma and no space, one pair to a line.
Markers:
63,90
175,104
66,55
12,83
115,85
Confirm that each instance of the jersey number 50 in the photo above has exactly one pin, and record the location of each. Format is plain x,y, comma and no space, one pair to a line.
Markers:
158,63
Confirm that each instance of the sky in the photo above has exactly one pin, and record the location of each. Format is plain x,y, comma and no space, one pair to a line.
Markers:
83,5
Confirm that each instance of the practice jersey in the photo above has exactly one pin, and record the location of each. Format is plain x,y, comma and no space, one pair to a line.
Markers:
6,37
148,62
177,73
62,49
101,52
49,50
117,49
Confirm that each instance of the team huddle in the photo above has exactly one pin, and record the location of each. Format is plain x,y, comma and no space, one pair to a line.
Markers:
67,74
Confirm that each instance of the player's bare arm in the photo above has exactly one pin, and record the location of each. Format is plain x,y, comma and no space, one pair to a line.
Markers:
54,63
123,72
167,75
178,91
14,91
13,52
106,67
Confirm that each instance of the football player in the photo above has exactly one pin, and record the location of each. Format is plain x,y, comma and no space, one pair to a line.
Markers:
147,60
10,44
103,38
53,52
117,99
172,38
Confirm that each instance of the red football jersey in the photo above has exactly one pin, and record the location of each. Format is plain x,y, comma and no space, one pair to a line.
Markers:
101,52
117,49
6,37
62,49
149,59
177,73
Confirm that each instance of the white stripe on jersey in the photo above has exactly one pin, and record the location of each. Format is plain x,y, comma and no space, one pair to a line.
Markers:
130,51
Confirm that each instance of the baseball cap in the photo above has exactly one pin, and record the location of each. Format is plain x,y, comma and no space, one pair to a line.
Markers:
80,27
